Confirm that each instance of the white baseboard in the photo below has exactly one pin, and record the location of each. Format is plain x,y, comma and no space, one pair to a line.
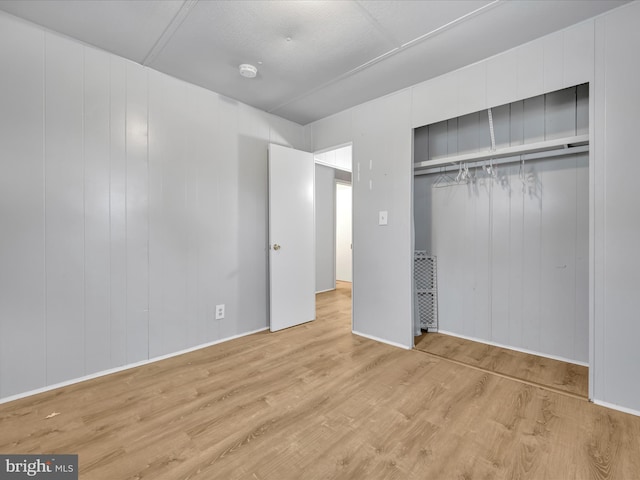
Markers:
613,406
509,347
381,340
327,290
125,367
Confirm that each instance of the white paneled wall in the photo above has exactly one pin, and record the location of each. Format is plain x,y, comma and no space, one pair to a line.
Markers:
171,199
117,214
131,204
382,255
255,128
331,131
23,340
617,222
137,213
64,208
437,99
556,61
502,78
97,172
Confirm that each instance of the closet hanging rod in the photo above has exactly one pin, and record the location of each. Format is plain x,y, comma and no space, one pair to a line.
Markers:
547,145
512,159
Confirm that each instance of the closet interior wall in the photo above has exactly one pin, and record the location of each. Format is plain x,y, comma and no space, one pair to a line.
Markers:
512,250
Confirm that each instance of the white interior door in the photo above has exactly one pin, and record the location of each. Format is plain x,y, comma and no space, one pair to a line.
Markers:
343,232
291,237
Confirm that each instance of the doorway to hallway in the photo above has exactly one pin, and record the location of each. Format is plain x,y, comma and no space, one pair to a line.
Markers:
333,220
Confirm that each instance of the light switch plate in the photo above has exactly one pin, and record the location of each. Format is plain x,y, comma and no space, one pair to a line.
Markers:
383,217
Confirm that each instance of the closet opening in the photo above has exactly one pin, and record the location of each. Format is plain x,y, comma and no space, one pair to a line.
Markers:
333,218
501,210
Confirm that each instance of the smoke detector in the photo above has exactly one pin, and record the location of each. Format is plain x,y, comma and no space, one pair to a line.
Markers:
248,71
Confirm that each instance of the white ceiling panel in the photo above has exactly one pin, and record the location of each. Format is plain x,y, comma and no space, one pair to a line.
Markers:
297,46
409,20
315,57
493,31
128,28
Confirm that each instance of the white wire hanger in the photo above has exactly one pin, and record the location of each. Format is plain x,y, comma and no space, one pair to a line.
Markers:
463,173
443,179
521,173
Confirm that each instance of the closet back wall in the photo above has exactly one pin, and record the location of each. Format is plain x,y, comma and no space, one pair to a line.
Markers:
513,261
131,204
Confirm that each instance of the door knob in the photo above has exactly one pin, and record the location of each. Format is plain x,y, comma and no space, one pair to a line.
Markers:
276,246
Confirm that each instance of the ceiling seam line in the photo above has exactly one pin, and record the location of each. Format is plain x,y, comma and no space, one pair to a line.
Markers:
390,53
169,31
451,23
337,79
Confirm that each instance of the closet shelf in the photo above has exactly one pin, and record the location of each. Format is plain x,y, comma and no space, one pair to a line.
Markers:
564,143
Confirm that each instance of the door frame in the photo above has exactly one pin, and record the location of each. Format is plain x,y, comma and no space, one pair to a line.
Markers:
337,182
329,149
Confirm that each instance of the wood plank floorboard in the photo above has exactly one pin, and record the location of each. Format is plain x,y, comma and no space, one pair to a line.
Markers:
554,374
317,402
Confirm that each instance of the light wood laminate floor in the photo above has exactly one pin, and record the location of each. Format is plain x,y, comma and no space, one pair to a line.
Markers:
560,376
317,402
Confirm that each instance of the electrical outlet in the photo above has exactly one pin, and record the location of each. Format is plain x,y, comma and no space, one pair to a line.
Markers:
220,312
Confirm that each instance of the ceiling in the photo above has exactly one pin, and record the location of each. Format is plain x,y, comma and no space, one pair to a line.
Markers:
315,58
